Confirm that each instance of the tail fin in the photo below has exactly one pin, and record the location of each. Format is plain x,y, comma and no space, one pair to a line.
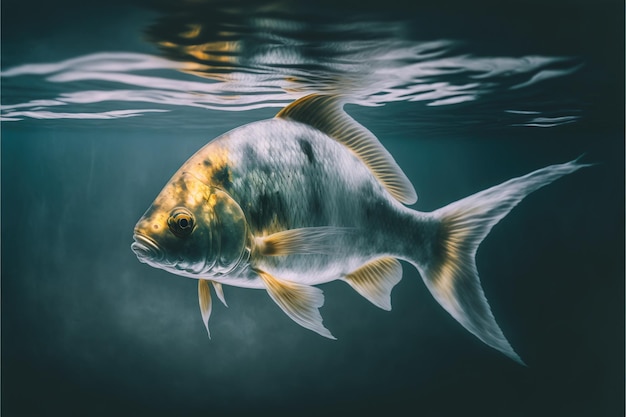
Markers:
451,274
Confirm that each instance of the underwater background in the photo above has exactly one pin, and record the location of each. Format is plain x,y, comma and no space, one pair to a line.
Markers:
101,102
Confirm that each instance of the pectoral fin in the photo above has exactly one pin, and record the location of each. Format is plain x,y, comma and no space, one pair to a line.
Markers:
219,291
308,240
375,280
299,302
204,297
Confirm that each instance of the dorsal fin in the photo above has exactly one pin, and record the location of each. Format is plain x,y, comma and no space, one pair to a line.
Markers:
326,114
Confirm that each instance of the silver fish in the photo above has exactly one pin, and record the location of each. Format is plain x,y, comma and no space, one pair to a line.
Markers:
309,197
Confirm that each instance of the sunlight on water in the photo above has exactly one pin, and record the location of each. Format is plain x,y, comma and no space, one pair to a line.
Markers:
246,63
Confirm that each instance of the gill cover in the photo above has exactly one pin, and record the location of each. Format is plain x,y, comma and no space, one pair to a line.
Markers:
229,232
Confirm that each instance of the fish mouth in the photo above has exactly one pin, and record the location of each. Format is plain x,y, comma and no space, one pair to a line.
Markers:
146,249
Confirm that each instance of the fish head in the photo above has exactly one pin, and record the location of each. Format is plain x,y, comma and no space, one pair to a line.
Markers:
192,229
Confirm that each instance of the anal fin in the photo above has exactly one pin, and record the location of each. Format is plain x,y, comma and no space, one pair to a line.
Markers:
375,280
299,302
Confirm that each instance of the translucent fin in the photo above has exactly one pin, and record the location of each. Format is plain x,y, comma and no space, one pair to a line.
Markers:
326,114
451,274
219,291
308,240
299,302
204,297
375,281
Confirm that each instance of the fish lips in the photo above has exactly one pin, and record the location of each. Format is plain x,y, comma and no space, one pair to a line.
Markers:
147,250
150,253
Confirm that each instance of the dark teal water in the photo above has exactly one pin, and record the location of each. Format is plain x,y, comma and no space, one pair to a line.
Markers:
101,103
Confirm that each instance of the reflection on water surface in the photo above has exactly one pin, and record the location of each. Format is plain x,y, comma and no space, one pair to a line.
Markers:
224,57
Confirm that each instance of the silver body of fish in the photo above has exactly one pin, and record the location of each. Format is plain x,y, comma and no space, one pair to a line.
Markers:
309,197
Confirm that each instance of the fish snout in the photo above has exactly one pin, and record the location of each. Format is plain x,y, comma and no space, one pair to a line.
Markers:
146,249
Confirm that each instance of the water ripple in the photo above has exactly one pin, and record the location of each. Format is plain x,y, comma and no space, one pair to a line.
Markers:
269,61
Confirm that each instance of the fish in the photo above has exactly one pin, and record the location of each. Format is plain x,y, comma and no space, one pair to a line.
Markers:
311,196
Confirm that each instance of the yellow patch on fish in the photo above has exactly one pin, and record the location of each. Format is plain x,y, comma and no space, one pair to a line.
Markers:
212,200
213,168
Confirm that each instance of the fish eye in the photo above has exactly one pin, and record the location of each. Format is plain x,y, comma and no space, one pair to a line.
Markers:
181,222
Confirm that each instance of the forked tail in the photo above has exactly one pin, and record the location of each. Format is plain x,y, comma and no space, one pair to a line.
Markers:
451,275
